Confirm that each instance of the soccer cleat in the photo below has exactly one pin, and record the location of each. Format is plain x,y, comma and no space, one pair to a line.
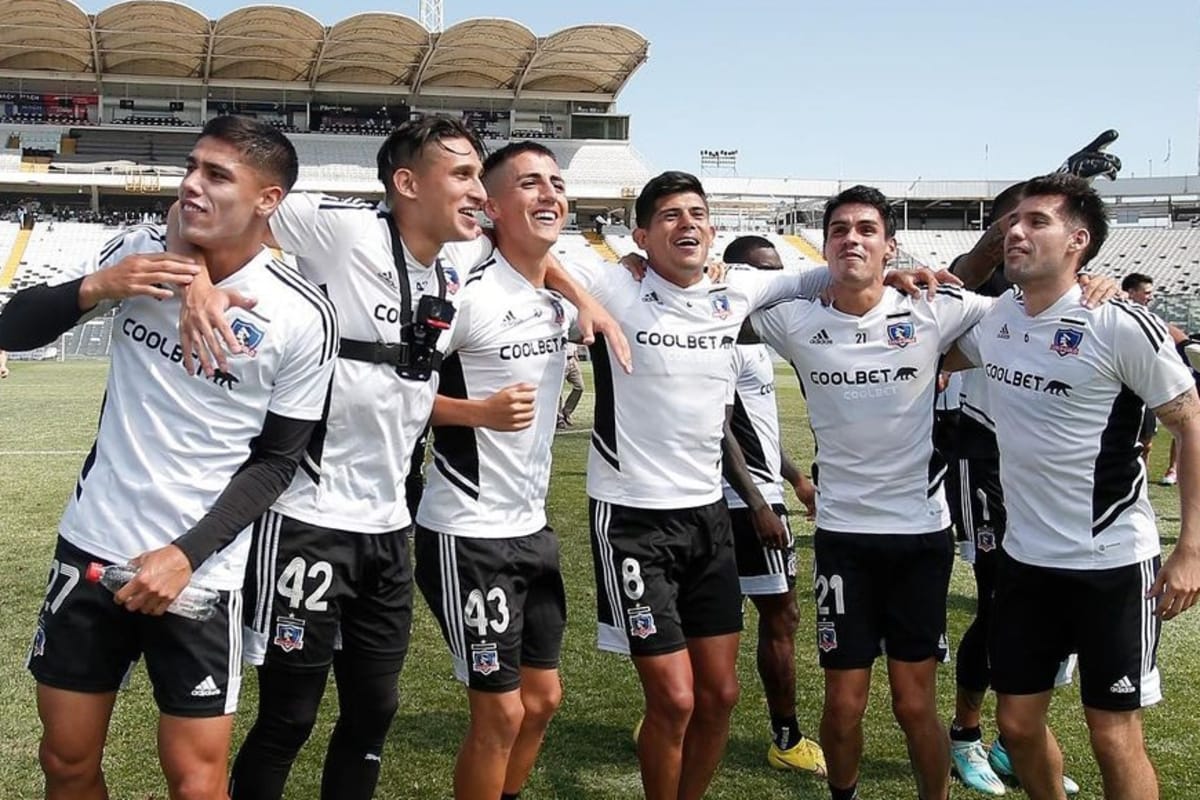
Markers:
1002,765
969,763
804,756
1169,478
637,730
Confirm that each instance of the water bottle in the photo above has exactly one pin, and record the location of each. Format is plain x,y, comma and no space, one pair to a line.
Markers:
194,602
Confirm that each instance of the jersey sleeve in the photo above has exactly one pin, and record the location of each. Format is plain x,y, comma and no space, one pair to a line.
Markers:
958,311
767,287
599,279
460,333
735,368
773,326
464,256
139,239
968,344
316,228
1145,355
306,369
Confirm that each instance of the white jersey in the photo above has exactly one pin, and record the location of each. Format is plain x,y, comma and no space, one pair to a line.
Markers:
169,442
656,439
755,423
485,483
1067,390
869,383
352,477
950,398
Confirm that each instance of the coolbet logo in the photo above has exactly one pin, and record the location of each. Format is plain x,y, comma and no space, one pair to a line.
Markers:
1066,341
539,347
688,342
901,334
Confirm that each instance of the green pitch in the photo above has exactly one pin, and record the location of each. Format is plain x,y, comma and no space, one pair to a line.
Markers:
47,420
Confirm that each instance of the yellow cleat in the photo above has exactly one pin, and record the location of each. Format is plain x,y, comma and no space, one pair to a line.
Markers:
804,756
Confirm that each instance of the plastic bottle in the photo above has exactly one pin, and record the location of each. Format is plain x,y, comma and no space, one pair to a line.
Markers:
194,602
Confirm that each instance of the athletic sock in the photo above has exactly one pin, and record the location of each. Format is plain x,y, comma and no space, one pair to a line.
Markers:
843,794
785,731
960,734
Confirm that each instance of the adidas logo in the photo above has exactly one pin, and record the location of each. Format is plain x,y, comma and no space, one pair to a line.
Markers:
821,337
1123,686
509,318
651,297
1003,334
208,688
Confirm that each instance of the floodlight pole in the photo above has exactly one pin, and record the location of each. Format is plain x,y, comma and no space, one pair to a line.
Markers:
431,15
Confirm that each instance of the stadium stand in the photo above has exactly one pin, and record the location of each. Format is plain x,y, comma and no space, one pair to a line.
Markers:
55,245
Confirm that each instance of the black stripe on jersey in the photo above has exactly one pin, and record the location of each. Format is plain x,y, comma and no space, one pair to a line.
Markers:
310,462
1069,321
477,271
117,242
1118,474
950,291
455,448
604,424
899,314
747,439
937,473
90,461
316,299
331,203
1154,330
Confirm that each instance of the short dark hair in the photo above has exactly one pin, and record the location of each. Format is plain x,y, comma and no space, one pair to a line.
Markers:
1080,202
405,145
864,195
263,147
1005,202
511,151
1135,279
740,248
667,184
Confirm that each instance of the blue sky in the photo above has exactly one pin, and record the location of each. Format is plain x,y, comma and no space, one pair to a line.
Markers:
886,90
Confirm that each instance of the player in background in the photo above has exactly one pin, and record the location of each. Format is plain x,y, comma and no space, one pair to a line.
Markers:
1080,569
181,465
753,463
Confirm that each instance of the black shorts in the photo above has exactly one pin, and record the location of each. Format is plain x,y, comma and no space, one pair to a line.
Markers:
663,576
880,593
762,570
85,642
313,590
1149,426
500,603
977,506
1042,615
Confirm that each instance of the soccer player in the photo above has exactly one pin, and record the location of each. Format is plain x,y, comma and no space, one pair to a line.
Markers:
1080,565
762,540
486,561
3,364
1140,289
883,550
180,468
331,562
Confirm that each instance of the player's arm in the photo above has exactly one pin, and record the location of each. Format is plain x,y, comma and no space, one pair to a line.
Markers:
805,489
274,456
1177,585
767,523
976,265
509,409
38,315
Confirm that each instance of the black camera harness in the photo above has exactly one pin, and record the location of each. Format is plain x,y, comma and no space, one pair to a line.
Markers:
395,354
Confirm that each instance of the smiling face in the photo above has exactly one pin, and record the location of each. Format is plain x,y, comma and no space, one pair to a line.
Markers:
857,246
1043,242
527,200
677,237
444,190
222,198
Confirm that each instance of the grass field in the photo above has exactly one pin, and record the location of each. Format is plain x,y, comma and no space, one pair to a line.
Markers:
47,421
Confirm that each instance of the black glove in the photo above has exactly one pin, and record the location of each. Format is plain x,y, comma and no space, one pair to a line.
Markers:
1090,161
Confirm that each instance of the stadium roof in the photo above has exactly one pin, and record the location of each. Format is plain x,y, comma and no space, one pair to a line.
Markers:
159,39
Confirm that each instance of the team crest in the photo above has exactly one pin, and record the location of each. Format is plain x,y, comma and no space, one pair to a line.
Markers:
484,658
901,334
289,634
38,648
249,336
1066,341
641,622
560,315
451,274
720,306
987,539
826,636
